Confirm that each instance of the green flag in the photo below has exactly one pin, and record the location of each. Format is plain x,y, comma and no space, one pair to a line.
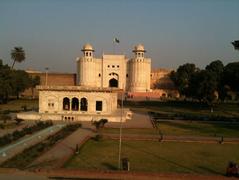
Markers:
116,40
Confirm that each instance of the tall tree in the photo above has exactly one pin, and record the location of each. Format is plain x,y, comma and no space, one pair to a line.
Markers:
217,68
17,55
231,75
34,81
236,44
19,82
5,83
182,77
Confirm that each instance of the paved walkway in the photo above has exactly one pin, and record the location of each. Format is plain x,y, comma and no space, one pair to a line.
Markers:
139,120
62,151
14,148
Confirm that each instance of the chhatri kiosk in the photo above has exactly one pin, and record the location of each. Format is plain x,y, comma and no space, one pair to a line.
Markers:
99,82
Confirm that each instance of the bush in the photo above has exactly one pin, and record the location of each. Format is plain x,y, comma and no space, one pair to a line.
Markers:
8,138
98,137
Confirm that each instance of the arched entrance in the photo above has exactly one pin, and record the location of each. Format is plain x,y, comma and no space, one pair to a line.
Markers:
75,104
113,82
83,104
66,103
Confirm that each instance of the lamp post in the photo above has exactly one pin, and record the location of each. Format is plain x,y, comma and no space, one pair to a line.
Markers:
46,75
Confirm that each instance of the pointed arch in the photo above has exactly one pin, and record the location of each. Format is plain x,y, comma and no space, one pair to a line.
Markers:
83,104
113,82
66,103
75,104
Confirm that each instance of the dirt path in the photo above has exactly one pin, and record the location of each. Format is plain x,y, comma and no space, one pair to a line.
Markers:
62,151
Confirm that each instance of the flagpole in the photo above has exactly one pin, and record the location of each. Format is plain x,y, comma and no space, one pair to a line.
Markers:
114,47
120,134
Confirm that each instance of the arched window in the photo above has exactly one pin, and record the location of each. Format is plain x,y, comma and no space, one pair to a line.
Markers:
75,104
83,104
66,103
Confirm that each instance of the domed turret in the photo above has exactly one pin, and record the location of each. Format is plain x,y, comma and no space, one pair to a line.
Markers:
139,51
87,47
139,48
87,50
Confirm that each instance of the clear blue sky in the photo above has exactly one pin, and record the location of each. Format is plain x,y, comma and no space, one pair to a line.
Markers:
174,32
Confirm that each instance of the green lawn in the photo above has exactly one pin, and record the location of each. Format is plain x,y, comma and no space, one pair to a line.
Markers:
222,109
196,128
146,131
185,128
16,105
149,156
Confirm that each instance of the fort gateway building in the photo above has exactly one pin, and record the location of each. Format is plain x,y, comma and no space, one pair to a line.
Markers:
98,83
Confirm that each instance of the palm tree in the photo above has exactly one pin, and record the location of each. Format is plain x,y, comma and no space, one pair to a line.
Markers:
236,44
17,54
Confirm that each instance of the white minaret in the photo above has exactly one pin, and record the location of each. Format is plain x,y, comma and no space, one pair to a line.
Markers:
140,68
86,67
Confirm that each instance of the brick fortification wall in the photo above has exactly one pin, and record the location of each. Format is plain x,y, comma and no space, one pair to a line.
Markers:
57,79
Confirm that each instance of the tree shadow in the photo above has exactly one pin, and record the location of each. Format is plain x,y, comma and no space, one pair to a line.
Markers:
210,170
216,128
162,158
109,166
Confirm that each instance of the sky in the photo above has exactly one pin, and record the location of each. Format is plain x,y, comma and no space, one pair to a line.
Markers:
174,32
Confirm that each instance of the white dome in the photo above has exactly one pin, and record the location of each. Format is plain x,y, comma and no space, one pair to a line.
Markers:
87,47
139,47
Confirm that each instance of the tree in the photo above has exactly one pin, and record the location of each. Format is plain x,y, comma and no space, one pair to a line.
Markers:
20,81
34,81
182,76
5,83
17,55
203,86
236,44
12,82
231,75
217,68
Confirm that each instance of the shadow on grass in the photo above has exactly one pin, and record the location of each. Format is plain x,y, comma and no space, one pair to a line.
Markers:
109,166
209,170
207,128
162,158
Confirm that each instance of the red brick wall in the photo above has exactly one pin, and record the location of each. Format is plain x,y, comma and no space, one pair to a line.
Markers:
57,79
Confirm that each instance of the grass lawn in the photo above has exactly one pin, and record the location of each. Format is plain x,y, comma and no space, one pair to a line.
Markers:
146,131
222,109
185,128
196,128
149,156
16,105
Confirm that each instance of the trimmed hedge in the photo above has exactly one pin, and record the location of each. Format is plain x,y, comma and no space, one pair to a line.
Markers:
8,138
